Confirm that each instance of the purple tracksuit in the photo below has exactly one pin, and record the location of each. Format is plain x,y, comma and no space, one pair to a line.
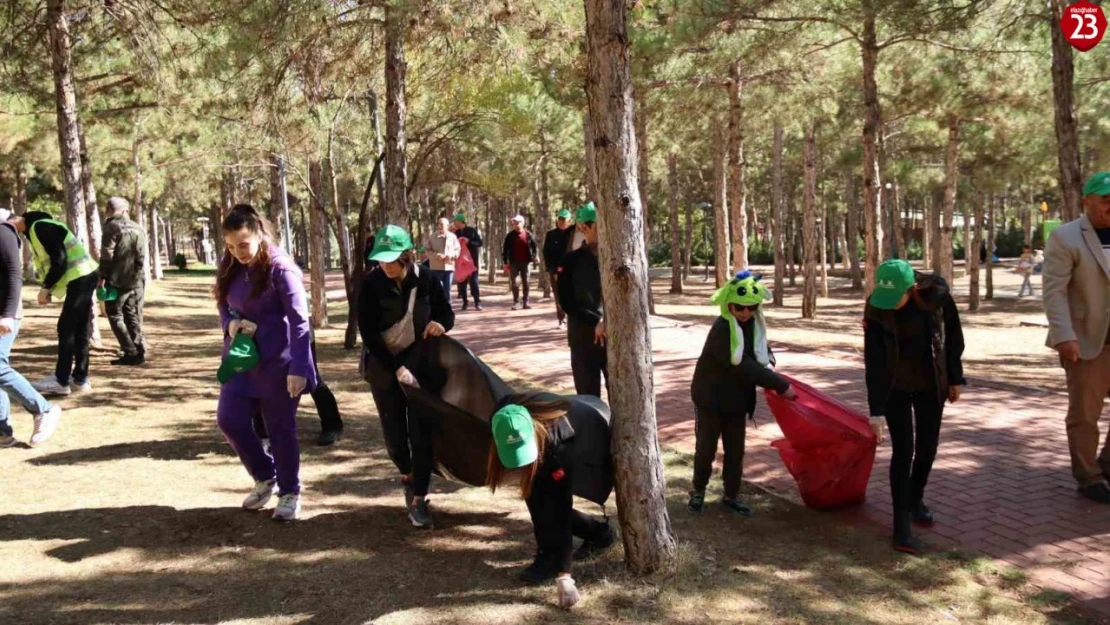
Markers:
283,340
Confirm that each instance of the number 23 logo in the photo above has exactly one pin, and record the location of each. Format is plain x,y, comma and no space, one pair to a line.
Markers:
1083,25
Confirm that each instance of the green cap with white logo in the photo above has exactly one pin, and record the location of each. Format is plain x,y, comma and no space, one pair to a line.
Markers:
586,214
892,280
515,436
563,214
389,243
1098,184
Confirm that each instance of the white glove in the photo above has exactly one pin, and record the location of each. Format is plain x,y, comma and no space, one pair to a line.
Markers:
877,426
567,592
404,376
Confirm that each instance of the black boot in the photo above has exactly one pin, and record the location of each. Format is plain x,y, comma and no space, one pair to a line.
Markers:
903,535
593,547
541,570
922,515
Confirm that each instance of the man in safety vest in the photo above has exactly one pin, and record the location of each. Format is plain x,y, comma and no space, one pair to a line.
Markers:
69,274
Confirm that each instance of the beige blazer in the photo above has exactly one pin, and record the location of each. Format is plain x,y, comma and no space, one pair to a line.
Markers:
1077,288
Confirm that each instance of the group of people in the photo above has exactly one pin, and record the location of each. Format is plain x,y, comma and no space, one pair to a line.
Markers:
69,275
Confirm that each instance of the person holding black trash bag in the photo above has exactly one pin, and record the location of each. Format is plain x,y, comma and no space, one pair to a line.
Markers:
913,349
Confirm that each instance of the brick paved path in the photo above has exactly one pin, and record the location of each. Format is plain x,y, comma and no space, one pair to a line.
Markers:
1001,485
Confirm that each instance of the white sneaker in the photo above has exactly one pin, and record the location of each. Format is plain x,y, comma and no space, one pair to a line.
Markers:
49,386
260,496
80,388
45,424
289,506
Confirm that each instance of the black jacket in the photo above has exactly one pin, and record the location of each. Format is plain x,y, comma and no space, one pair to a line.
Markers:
880,343
474,241
11,274
555,244
579,286
507,247
382,303
53,240
122,253
727,388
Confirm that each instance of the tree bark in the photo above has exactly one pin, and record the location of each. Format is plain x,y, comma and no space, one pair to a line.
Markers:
688,242
67,117
275,191
649,544
545,213
721,236
1027,225
339,220
778,229
1067,126
591,160
738,214
951,181
826,245
809,226
358,272
19,206
396,163
990,247
872,127
153,244
92,209
791,237
676,242
318,225
898,222
644,180
972,259
927,220
851,224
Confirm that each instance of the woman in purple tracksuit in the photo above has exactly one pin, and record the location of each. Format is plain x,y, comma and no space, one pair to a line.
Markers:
260,292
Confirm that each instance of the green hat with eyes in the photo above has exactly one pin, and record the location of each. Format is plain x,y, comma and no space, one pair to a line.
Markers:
743,290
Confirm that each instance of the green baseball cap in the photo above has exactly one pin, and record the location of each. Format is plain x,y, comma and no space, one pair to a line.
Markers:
460,217
514,434
586,214
107,293
563,214
1098,184
389,243
241,356
892,280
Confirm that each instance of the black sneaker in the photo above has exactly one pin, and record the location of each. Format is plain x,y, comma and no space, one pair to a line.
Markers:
922,515
527,306
737,507
904,541
538,572
908,545
420,516
328,438
130,360
1099,492
696,503
465,305
594,547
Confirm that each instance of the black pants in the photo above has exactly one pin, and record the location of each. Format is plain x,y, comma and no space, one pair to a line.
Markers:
588,360
73,331
519,270
709,426
553,276
125,315
555,522
407,441
474,289
912,453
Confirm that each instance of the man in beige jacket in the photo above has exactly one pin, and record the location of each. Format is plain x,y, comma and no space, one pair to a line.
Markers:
1077,303
443,250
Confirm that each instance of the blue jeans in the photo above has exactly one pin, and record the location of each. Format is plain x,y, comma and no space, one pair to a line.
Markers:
445,279
16,386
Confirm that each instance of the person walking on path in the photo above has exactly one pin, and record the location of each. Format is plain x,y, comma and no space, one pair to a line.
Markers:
474,245
14,385
260,293
735,360
122,258
400,306
1025,269
1076,294
579,287
69,274
518,254
913,350
534,438
443,251
556,244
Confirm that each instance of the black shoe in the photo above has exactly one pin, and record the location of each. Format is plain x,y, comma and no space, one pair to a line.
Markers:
538,572
420,516
696,503
903,534
594,547
465,305
329,437
922,515
908,545
737,507
526,305
1099,492
130,360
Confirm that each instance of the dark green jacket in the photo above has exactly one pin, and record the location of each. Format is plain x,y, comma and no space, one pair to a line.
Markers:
122,253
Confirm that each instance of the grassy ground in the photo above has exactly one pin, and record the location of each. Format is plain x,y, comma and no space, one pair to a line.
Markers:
129,515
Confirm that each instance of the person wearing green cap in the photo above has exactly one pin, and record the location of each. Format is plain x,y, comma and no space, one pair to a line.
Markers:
533,437
556,244
474,246
400,306
1076,294
735,360
913,350
579,287
267,357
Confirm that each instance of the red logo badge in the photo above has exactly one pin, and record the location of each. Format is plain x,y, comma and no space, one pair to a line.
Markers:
1083,25
557,475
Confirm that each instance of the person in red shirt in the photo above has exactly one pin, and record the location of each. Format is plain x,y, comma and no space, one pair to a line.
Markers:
518,254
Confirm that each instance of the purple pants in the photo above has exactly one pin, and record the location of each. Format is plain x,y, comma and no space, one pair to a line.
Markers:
279,412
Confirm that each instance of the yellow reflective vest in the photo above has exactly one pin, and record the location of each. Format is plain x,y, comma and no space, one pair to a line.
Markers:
78,262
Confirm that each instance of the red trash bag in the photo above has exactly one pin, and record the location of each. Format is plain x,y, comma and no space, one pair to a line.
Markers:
465,265
829,448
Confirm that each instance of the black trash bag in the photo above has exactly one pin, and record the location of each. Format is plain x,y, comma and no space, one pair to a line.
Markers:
458,396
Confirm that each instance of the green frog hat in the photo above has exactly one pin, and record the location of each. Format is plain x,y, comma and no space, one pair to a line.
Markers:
745,289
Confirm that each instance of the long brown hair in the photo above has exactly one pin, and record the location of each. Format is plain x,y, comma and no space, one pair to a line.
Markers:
239,217
544,412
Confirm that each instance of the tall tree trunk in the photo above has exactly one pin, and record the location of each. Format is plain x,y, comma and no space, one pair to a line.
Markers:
358,272
68,126
339,220
972,259
990,247
19,206
809,226
791,237
951,181
927,219
738,214
898,222
826,245
1067,126
778,225
688,242
649,544
872,128
155,251
591,160
644,180
493,240
545,212
92,208
318,223
396,163
676,247
851,224
275,205
721,236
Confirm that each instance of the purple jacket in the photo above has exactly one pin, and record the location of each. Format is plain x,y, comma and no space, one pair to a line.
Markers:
283,336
